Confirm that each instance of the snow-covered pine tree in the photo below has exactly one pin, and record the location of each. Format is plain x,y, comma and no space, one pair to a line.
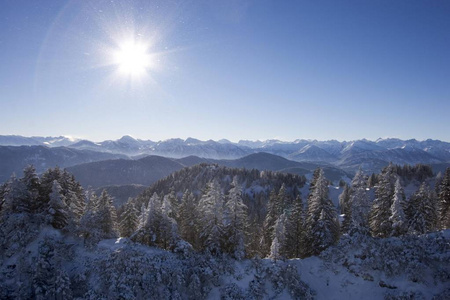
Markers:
295,230
150,221
322,225
372,181
75,197
129,219
444,199
423,205
359,205
32,183
88,223
106,216
269,223
398,217
44,279
63,289
15,198
236,221
312,184
211,225
278,248
345,208
188,216
58,215
168,231
174,204
47,179
282,201
380,225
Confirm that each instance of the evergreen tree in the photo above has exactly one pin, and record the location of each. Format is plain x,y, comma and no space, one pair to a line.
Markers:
278,248
149,229
282,200
173,200
359,205
322,225
32,184
47,264
269,222
295,230
57,208
106,216
15,197
425,212
88,222
345,207
372,181
47,179
168,231
312,184
380,225
398,217
129,220
187,214
236,221
444,199
211,220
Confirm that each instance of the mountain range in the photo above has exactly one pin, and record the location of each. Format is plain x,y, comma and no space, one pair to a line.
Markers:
133,161
335,152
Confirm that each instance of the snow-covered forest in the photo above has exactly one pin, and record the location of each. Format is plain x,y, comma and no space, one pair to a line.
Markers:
215,232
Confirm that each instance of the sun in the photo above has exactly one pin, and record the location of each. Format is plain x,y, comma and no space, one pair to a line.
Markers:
132,59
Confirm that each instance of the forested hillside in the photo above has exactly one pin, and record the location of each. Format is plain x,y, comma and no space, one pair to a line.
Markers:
208,231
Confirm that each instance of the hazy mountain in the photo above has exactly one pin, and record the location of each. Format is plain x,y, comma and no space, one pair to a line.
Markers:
121,193
15,159
148,170
144,171
17,140
347,155
312,153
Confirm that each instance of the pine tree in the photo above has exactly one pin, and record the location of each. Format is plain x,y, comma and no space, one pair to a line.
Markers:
425,212
359,205
312,184
129,220
57,208
278,247
380,225
345,206
15,198
174,205
168,231
106,216
322,225
149,228
236,221
211,223
88,222
398,217
372,181
269,222
282,200
32,183
44,279
444,199
295,230
187,214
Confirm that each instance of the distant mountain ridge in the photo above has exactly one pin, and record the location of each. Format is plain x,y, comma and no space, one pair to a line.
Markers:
346,156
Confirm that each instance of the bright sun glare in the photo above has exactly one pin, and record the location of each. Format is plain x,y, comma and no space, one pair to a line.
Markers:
132,59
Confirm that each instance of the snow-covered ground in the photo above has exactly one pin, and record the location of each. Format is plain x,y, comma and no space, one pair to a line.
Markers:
357,268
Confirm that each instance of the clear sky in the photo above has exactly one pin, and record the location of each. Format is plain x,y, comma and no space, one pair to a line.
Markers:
213,69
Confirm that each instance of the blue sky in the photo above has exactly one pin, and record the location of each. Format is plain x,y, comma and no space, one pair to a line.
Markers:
227,69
